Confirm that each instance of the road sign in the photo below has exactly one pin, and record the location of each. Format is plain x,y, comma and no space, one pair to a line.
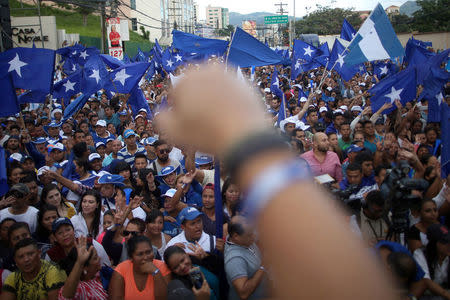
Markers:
275,19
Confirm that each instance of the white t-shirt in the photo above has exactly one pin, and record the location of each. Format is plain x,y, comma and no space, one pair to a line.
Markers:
440,271
80,226
203,242
29,217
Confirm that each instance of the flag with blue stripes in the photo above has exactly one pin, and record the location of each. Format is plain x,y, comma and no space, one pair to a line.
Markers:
376,39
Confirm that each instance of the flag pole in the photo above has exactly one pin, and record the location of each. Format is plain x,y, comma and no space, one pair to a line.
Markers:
229,47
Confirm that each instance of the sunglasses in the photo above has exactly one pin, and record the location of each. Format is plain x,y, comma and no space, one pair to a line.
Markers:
127,233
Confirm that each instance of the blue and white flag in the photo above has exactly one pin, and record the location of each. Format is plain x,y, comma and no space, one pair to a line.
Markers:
376,39
401,86
30,68
337,57
275,85
85,54
111,62
347,31
124,79
434,107
381,69
68,87
95,75
75,105
246,51
302,58
170,60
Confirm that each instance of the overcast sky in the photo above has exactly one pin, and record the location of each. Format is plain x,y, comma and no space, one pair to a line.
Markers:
249,6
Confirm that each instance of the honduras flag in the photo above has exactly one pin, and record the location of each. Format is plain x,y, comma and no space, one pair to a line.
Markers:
32,97
302,56
376,39
111,62
434,107
275,88
95,75
401,86
381,69
138,101
347,31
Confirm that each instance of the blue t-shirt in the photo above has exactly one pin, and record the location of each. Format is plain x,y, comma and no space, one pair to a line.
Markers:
172,228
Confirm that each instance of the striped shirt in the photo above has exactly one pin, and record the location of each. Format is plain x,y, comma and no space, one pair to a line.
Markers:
87,290
123,154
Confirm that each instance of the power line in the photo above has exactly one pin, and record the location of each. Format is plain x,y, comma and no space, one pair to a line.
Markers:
137,22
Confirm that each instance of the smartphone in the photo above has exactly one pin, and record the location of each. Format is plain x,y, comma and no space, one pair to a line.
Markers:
196,278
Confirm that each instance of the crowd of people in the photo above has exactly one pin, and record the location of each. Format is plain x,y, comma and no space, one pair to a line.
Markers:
110,204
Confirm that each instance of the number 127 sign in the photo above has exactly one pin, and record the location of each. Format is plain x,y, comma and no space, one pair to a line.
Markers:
114,38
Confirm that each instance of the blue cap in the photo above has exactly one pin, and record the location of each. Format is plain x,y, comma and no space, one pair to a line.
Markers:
114,179
167,170
54,124
39,140
189,213
203,160
122,113
354,148
129,132
149,141
98,144
60,221
109,140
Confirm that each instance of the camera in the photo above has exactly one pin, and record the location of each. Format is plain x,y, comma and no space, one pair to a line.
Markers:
348,198
196,278
397,188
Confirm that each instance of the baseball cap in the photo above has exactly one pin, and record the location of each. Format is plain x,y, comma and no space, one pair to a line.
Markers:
150,141
114,179
101,123
167,170
21,188
139,116
59,222
142,110
94,156
170,193
39,140
379,121
123,113
267,90
303,99
109,140
54,124
42,170
98,144
322,109
17,157
203,160
356,108
438,233
129,132
189,213
57,146
354,148
11,119
343,107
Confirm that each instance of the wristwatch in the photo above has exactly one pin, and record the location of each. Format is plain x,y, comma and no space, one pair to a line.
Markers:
155,272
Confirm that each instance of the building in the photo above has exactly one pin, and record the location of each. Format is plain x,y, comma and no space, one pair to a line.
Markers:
143,13
176,14
393,9
196,13
217,17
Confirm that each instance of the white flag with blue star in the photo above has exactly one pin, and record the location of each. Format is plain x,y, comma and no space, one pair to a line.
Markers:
376,39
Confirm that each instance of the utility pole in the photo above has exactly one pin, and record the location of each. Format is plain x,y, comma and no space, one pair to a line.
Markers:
103,27
293,27
174,14
282,12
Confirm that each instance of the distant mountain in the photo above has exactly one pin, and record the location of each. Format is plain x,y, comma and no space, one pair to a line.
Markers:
237,18
409,8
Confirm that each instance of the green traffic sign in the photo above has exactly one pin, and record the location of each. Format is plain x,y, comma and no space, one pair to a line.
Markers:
275,19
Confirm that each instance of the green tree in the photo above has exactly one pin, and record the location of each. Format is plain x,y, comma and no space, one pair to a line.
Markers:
145,33
327,20
434,15
401,23
224,31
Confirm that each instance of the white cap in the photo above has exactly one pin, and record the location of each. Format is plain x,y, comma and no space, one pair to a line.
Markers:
11,119
362,84
322,109
356,108
101,123
142,110
42,170
338,111
93,156
170,193
267,90
329,88
16,156
303,99
57,146
343,107
138,116
98,144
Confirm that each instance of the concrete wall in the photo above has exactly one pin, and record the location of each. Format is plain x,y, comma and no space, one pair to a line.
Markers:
440,40
26,30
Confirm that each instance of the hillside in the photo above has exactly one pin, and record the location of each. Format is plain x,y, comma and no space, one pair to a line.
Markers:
70,21
409,8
